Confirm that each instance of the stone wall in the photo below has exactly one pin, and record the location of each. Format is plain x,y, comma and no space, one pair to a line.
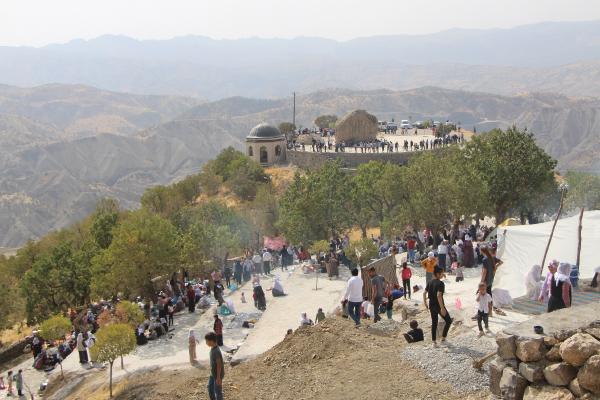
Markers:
310,160
562,363
15,350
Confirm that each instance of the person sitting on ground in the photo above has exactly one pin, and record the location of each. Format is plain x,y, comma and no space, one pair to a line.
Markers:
364,307
533,282
305,321
320,316
277,288
289,332
415,334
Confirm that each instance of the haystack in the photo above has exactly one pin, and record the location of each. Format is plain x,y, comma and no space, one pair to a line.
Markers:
357,126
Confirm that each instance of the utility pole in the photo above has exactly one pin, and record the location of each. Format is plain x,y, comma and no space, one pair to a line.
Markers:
294,117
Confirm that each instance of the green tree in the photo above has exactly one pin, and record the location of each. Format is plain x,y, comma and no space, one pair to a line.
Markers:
143,248
361,251
112,342
104,220
326,121
55,328
129,313
286,127
513,165
584,190
11,301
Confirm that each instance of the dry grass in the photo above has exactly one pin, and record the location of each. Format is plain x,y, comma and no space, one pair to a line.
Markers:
14,334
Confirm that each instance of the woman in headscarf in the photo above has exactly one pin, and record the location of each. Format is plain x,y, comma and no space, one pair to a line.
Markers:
533,283
304,320
277,288
192,345
468,255
191,298
560,288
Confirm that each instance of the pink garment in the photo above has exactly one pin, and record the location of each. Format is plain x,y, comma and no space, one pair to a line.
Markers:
545,292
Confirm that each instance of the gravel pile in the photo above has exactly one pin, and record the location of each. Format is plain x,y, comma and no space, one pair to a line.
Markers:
453,362
385,327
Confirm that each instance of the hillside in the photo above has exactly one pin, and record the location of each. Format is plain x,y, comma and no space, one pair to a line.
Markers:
503,61
55,166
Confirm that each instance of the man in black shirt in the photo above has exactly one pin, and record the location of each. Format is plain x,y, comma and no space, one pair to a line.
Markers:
217,370
415,334
435,291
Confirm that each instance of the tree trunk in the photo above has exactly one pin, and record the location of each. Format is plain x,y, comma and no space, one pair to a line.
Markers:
110,380
122,362
364,231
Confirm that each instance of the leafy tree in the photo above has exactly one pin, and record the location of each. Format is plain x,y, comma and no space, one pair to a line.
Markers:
326,121
112,342
104,220
286,127
512,165
319,246
584,190
361,251
11,301
210,182
55,328
129,313
143,248
57,281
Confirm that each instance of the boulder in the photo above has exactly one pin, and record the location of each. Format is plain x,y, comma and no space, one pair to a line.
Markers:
590,396
554,353
507,346
530,349
589,375
550,341
512,385
564,334
576,388
533,372
496,366
547,393
578,348
560,374
594,331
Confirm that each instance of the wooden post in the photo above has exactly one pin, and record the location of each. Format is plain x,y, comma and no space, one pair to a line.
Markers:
579,237
560,207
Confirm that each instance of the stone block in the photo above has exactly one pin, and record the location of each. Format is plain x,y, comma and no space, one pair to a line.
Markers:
512,385
496,366
594,331
550,341
589,375
560,374
576,388
554,353
547,393
564,334
578,348
507,346
530,349
533,372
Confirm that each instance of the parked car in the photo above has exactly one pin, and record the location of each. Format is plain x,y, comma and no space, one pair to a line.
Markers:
404,124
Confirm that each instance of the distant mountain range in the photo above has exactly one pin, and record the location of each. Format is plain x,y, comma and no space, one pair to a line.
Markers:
64,147
561,57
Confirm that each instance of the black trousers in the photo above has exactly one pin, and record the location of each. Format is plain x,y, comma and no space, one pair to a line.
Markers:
482,316
406,286
435,312
376,303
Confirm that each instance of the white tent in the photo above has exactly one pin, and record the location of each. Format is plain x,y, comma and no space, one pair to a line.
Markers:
521,247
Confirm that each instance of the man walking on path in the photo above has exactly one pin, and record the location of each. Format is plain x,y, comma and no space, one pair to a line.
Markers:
435,291
354,296
377,292
217,370
267,258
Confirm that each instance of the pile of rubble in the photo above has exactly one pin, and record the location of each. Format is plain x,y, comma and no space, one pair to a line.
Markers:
564,363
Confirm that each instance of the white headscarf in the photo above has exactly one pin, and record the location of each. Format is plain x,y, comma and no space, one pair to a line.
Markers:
431,254
191,334
533,277
563,273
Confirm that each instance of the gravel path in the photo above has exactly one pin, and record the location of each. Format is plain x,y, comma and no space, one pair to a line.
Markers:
453,362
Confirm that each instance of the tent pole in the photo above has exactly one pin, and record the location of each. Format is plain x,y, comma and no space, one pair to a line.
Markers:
579,236
560,207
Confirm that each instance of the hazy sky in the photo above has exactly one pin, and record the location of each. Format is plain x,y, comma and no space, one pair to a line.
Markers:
29,22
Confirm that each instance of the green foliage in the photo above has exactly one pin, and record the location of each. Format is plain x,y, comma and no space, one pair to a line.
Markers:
129,313
143,248
315,206
104,220
362,251
584,190
513,166
444,129
55,328
58,280
319,246
326,121
286,127
11,301
112,342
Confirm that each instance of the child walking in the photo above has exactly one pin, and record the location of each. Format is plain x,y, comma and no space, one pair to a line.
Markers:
9,379
406,275
192,346
484,301
217,370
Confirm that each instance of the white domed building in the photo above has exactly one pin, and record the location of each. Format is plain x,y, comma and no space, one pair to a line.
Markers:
266,145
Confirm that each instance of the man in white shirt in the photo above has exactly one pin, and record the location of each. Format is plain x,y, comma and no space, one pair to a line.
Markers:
267,258
354,296
257,260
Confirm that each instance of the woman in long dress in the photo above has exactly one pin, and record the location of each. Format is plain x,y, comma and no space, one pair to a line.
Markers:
560,288
468,256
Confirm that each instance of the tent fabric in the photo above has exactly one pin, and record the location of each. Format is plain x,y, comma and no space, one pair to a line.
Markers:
385,267
520,247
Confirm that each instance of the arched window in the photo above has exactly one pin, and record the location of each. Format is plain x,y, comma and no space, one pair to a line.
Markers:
250,153
264,157
278,151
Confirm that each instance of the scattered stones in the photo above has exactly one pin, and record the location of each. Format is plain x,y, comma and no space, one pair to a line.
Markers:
560,374
530,349
385,327
547,393
578,348
554,353
533,372
512,385
576,388
589,375
506,346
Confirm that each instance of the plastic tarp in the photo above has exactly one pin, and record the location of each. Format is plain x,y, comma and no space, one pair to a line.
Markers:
521,247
